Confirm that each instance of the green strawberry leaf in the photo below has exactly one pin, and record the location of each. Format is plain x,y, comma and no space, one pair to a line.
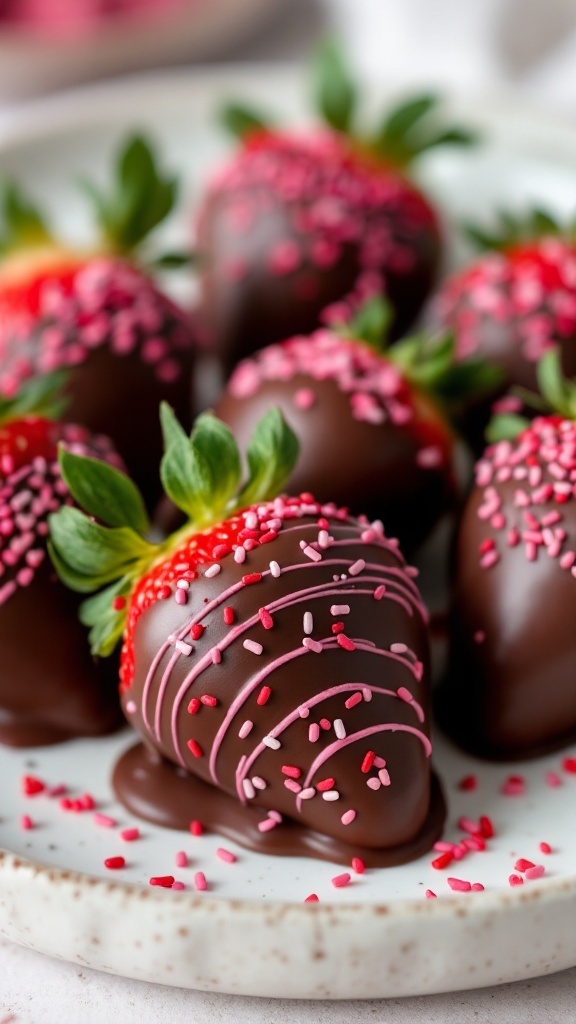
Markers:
173,261
272,454
411,128
429,361
511,230
140,199
554,387
214,441
22,223
77,581
39,396
371,323
186,479
104,492
505,427
91,550
335,92
242,122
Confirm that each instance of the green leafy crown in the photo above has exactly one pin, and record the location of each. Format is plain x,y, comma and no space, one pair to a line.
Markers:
402,133
512,230
104,550
556,394
40,396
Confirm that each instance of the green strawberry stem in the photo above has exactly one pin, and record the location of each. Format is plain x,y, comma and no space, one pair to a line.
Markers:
40,396
104,550
557,394
511,231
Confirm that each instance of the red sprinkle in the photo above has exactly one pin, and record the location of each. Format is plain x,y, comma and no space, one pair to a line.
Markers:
459,884
442,861
477,887
263,696
513,786
345,642
165,592
164,881
194,706
325,784
265,618
119,603
358,865
486,827
31,785
515,880
522,864
194,748
468,783
26,823
129,835
196,828
291,771
430,895
545,848
325,724
339,881
368,761
337,627
196,631
229,615
354,699
208,700
312,898
569,765
251,577
114,862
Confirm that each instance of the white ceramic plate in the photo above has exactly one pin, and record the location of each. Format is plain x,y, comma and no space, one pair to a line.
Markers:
251,932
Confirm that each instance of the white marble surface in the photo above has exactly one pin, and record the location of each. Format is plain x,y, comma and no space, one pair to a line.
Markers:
527,43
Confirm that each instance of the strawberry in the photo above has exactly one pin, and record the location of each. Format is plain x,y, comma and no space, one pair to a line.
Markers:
97,313
510,689
274,654
301,226
514,302
375,436
50,688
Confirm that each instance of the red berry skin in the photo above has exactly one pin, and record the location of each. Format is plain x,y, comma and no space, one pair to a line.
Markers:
509,690
509,307
299,230
126,346
50,688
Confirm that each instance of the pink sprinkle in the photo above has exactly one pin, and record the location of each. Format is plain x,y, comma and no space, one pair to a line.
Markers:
553,780
515,880
304,398
357,567
313,732
181,860
312,898
358,865
216,655
373,783
253,646
354,699
226,855
129,835
293,786
312,645
181,596
513,786
535,872
200,883
345,642
339,881
545,848
340,609
245,729
26,822
212,571
379,592
312,554
104,821
430,895
307,793
404,694
258,783
178,886
459,884
265,618
266,825
384,776
348,817
489,559
477,887
249,791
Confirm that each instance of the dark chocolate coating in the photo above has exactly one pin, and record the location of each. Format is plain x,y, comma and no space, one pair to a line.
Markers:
510,690
50,687
246,305
388,821
367,467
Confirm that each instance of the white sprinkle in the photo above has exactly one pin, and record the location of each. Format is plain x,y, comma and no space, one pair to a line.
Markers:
367,694
331,795
357,567
245,729
248,788
253,646
398,648
240,555
212,570
307,794
308,623
373,783
183,647
312,554
340,609
258,783
384,776
275,569
251,520
312,645
272,742
183,584
348,817
131,707
339,728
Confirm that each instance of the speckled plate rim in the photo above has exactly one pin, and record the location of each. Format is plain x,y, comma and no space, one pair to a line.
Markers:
373,944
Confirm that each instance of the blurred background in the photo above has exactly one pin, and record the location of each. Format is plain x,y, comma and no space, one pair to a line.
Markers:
530,44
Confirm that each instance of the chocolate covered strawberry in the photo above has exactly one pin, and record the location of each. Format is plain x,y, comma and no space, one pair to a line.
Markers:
299,227
511,684
275,654
372,424
98,313
514,302
50,688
